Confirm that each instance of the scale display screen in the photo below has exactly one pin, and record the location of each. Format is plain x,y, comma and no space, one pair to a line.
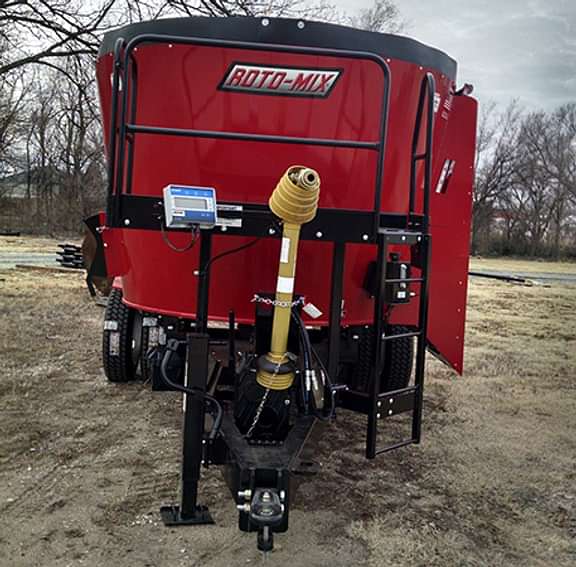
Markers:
190,203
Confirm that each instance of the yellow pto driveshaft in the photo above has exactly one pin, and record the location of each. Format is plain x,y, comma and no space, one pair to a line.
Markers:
295,201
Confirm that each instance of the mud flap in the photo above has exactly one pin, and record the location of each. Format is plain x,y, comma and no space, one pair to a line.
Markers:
97,264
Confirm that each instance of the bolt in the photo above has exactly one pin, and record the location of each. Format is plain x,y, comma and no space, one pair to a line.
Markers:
196,272
355,337
365,237
318,234
286,402
126,222
271,231
265,22
378,416
379,404
266,497
391,401
390,412
282,494
419,238
223,228
300,25
243,507
403,238
105,245
203,441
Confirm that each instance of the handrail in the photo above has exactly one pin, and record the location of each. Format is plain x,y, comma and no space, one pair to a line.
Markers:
117,158
427,92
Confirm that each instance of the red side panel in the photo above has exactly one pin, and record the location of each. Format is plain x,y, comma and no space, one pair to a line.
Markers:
450,228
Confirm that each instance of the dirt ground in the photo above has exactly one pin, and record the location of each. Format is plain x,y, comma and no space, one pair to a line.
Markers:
85,465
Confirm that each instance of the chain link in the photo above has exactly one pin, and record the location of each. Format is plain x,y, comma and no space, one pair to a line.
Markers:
263,402
277,302
258,412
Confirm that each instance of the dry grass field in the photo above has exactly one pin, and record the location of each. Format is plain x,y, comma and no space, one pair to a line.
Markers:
84,465
31,243
513,265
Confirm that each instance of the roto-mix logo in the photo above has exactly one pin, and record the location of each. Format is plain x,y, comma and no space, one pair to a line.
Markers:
280,80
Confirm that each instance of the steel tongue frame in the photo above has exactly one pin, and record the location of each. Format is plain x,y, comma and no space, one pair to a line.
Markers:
250,468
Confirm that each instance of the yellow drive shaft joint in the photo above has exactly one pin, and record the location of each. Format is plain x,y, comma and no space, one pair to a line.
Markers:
295,198
275,375
294,201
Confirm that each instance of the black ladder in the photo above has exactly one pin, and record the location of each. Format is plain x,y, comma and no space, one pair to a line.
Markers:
387,404
375,404
382,405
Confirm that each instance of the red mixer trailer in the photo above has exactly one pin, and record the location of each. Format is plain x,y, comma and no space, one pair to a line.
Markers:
204,119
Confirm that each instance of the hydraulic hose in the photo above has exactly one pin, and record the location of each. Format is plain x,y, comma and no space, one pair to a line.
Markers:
304,340
190,391
306,356
330,414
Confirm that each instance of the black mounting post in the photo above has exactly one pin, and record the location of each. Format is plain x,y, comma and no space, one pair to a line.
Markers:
377,352
189,512
203,282
232,375
421,344
338,257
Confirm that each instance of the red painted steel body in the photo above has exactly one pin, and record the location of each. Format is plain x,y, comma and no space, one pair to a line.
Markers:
178,87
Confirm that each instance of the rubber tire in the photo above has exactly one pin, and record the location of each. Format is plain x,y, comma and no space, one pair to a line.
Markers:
398,362
119,367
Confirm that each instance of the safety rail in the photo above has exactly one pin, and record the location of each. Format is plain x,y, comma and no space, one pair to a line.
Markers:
427,92
124,66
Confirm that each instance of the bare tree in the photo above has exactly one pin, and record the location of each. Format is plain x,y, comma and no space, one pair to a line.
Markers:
495,165
56,29
321,10
381,16
550,140
11,116
62,28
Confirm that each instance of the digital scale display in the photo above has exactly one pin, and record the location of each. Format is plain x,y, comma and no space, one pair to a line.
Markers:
188,206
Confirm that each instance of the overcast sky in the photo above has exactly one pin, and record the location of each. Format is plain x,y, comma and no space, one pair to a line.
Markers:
507,49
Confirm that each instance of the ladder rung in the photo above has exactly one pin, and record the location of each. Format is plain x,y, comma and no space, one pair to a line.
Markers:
402,336
394,393
419,157
397,236
395,446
